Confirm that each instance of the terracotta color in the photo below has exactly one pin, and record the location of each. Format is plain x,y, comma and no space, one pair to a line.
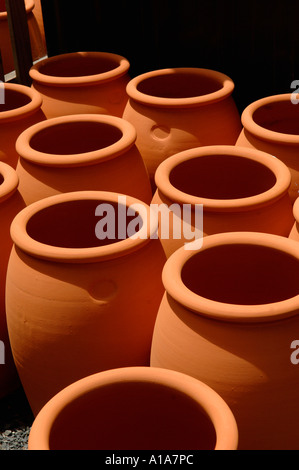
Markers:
36,35
228,317
271,124
22,108
294,233
82,82
136,408
77,305
81,152
240,189
180,108
10,204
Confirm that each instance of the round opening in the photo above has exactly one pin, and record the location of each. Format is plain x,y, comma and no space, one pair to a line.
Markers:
1,179
132,415
75,138
13,99
222,177
83,224
280,116
242,274
182,84
78,65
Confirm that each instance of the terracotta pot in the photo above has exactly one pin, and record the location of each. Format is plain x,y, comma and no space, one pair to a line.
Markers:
81,298
38,48
135,408
228,317
217,189
82,82
10,204
21,109
181,108
271,124
294,232
81,152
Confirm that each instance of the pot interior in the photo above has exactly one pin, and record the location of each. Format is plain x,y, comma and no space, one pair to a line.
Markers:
242,274
222,177
74,224
282,117
132,415
78,65
13,99
182,84
75,137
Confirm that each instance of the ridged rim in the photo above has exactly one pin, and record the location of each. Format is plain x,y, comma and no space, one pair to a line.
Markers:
214,406
127,140
10,181
34,248
37,75
21,111
227,87
279,169
176,288
247,119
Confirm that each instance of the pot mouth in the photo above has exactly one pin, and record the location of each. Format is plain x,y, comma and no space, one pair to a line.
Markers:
223,178
84,226
29,5
76,140
19,101
170,395
9,181
79,68
237,277
274,119
180,87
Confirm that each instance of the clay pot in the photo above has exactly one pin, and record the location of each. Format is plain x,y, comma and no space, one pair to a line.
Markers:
81,152
294,232
10,204
228,317
36,36
82,82
81,297
135,408
221,189
176,109
21,109
271,124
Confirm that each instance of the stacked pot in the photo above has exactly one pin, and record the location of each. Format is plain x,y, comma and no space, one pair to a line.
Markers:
151,256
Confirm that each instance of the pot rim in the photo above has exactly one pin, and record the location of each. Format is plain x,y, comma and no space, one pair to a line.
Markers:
212,404
126,141
227,87
263,133
32,247
29,5
83,80
174,286
10,181
22,111
280,170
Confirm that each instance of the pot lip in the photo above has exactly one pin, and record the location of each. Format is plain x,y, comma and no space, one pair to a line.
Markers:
29,5
10,181
280,170
126,141
213,405
262,133
84,80
296,210
22,111
149,100
32,247
174,286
